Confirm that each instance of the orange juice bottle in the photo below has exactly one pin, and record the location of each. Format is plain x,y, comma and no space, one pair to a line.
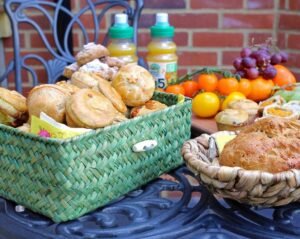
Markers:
161,57
121,40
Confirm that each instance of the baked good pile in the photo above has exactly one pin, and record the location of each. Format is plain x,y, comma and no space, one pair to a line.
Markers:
100,91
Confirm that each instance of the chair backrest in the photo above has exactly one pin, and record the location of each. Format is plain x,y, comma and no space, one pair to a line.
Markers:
63,22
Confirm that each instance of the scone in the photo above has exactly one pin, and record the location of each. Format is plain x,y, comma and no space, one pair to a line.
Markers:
89,109
13,109
50,99
231,120
70,69
90,52
149,107
110,93
250,106
84,80
270,144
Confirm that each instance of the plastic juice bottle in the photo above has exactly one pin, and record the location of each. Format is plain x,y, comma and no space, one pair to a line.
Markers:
121,40
162,58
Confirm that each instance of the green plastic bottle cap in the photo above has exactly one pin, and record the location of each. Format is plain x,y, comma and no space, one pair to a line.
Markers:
162,27
121,28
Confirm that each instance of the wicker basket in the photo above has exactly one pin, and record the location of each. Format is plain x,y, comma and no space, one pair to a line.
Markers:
64,179
246,186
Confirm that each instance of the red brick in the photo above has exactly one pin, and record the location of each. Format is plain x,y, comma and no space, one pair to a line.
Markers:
297,75
8,41
33,62
180,38
37,42
182,72
294,60
294,5
248,21
164,4
87,21
229,56
258,4
294,41
40,20
258,38
217,39
197,58
201,20
282,4
281,40
217,4
205,20
289,22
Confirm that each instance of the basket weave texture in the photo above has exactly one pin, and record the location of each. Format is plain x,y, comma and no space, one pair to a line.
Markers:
64,179
246,186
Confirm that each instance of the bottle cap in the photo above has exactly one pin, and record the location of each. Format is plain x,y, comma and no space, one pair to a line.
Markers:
121,28
162,27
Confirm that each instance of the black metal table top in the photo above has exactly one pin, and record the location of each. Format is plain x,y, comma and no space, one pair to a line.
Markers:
177,207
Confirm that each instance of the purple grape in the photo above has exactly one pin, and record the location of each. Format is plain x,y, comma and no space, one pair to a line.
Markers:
249,62
252,73
284,57
269,72
241,73
254,54
238,63
276,59
264,49
245,52
262,59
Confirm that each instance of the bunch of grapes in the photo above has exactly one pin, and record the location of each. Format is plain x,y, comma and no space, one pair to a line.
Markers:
259,61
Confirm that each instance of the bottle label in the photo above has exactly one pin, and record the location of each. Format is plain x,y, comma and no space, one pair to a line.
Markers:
164,73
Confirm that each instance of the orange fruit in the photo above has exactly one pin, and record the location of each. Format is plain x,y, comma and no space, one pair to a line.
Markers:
207,82
175,89
261,89
227,85
284,76
190,88
245,86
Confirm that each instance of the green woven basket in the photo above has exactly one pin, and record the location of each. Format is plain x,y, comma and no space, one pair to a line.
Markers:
64,179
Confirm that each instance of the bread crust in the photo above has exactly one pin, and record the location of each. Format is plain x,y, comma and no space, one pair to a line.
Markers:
270,144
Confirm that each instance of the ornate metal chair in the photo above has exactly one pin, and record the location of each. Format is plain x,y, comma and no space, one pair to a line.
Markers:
62,21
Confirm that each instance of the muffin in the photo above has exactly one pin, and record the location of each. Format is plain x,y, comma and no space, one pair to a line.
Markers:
231,119
250,106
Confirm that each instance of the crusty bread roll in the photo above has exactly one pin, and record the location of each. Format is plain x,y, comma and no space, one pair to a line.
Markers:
270,144
13,109
50,99
89,109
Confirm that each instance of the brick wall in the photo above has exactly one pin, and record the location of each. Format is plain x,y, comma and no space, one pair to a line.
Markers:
208,32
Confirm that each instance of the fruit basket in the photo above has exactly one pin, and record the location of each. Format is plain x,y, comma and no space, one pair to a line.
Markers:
252,187
64,179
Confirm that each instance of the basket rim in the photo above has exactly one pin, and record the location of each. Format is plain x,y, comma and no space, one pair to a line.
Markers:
92,133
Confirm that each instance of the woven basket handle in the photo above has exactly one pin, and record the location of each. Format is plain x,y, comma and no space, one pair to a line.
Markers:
144,146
